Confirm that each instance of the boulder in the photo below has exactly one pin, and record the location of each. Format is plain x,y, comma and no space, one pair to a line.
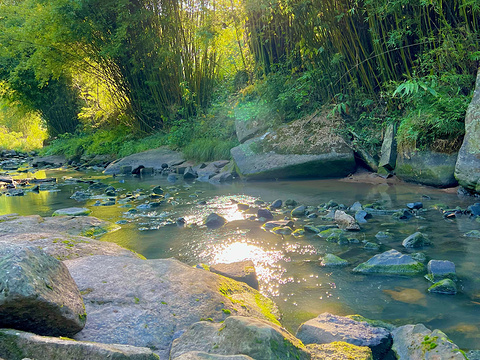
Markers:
332,260
17,345
327,328
214,221
64,247
189,173
416,240
264,213
256,338
247,127
388,158
339,350
440,269
243,271
147,303
309,147
38,294
150,159
417,342
73,211
345,221
445,286
467,168
427,168
391,262
200,355
299,211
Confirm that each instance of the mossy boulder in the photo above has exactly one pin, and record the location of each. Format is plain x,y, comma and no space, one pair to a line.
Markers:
307,147
440,269
17,345
146,302
467,168
418,342
391,262
445,286
427,168
416,240
339,350
259,339
332,260
37,293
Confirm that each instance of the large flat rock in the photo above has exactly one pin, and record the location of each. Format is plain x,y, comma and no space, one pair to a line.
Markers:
150,159
147,303
305,148
467,169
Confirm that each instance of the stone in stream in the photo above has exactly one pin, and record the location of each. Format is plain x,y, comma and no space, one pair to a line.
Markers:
80,195
445,286
345,221
276,204
391,262
221,177
415,205
38,294
146,171
18,345
417,342
189,173
256,338
51,160
269,225
172,178
440,269
361,216
201,355
299,211
332,260
148,303
73,211
416,240
474,209
214,221
472,233
157,190
467,168
356,207
327,328
243,271
290,202
264,213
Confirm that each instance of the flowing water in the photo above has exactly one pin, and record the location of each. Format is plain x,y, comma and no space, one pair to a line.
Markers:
288,267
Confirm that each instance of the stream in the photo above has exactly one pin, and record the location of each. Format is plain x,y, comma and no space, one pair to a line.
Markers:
288,267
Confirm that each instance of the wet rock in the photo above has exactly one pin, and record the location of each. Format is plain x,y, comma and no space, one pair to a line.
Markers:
243,271
298,233
371,246
157,190
52,160
201,355
18,345
403,214
189,173
417,342
148,303
147,171
416,240
474,209
299,211
361,216
473,233
73,211
282,230
389,149
467,168
332,260
38,294
152,159
339,350
290,202
80,195
214,221
258,339
415,205
440,269
391,262
345,221
264,213
445,286
222,177
327,328
97,186
427,167
15,192
356,207
277,223
277,204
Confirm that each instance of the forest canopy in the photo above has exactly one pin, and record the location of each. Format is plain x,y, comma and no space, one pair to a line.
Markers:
170,66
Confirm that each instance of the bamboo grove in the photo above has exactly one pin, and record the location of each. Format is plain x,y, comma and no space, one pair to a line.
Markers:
159,62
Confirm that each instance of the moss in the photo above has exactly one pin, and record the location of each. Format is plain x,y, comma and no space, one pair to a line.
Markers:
429,343
407,269
226,311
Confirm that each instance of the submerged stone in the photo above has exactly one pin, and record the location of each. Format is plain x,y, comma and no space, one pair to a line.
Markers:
391,262
73,211
416,240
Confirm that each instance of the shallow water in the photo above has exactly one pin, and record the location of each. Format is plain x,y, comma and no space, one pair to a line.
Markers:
288,267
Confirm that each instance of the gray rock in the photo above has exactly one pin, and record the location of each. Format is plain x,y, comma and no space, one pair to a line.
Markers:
73,211
269,225
80,195
265,213
427,168
391,262
243,271
258,339
200,355
146,171
416,240
224,176
440,269
345,221
17,345
276,204
149,159
304,148
189,173
473,233
214,221
332,260
417,342
445,286
467,168
361,216
356,207
389,149
474,209
147,302
37,293
299,211
327,328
